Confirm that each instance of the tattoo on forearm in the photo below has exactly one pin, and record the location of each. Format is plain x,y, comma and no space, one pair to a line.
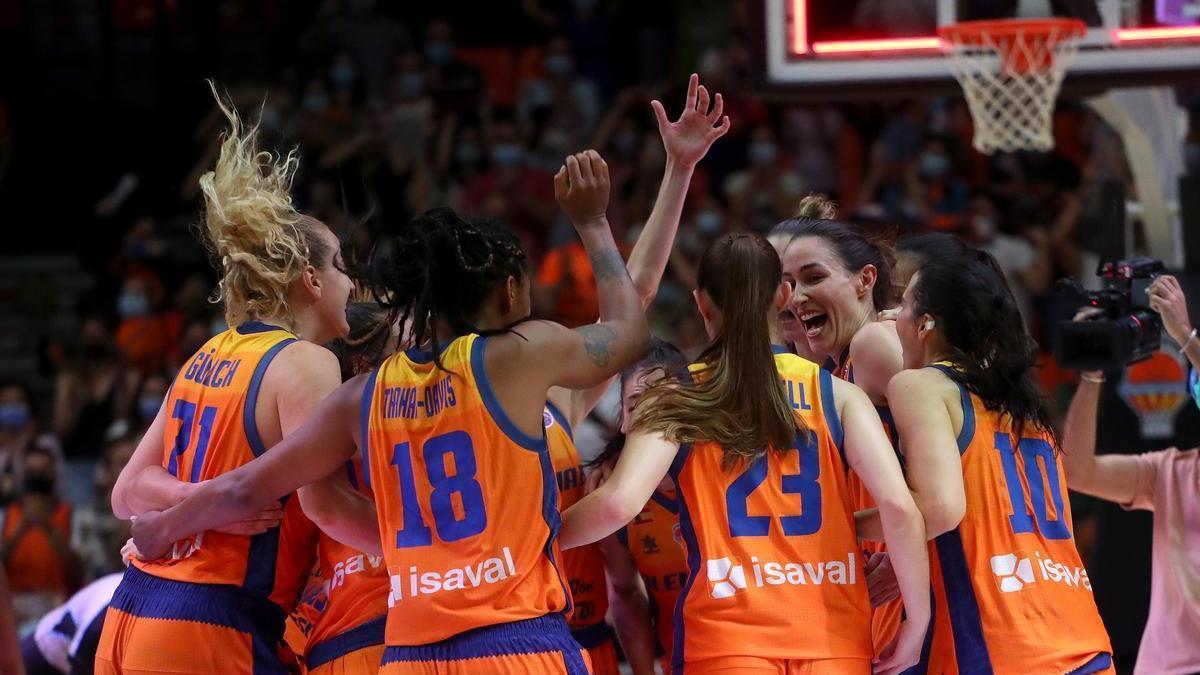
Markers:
607,265
597,340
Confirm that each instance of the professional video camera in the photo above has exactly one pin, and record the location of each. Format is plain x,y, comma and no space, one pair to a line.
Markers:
1125,330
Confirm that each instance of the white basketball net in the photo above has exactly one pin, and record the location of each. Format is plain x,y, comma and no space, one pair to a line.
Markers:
1011,85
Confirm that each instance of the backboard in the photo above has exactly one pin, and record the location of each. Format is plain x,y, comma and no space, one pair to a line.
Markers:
845,49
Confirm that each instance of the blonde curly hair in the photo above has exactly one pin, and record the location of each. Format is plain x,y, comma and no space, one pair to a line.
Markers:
251,225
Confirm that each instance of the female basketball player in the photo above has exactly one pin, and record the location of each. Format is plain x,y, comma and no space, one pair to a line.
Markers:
218,603
764,507
686,141
811,207
644,561
1010,590
453,445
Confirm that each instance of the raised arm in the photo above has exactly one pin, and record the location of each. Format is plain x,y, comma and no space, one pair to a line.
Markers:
641,467
872,458
1111,477
326,440
930,448
686,141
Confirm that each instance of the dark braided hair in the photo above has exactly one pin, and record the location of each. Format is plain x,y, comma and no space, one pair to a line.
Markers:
367,343
993,354
442,267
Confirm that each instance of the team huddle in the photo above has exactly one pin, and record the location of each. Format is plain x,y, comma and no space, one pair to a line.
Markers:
856,475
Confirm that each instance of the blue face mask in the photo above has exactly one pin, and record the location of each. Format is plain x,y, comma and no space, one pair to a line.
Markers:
467,154
439,52
934,165
132,305
14,416
148,407
507,154
763,152
315,103
559,64
342,75
709,222
1194,386
412,84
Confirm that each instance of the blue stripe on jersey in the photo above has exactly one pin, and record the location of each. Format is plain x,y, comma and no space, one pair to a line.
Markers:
364,417
965,623
350,474
780,349
553,519
829,405
967,433
662,500
561,419
252,327
493,405
249,421
262,557
688,531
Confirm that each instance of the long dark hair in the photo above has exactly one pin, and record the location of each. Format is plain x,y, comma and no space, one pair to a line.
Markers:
993,355
739,402
855,249
664,357
441,266
366,346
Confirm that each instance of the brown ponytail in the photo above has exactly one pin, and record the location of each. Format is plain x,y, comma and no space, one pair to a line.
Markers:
739,402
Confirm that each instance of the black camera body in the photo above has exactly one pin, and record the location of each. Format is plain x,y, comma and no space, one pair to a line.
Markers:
1125,331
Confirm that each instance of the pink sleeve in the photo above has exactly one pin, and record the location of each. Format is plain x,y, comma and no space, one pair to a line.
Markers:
1146,482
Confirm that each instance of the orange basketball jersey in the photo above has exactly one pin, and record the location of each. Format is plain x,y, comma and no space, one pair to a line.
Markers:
353,598
582,566
774,566
1010,579
211,430
468,508
886,618
656,546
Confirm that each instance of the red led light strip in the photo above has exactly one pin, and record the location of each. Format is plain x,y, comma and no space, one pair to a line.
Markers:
800,45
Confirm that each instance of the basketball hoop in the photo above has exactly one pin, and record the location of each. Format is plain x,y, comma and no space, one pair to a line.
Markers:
1011,71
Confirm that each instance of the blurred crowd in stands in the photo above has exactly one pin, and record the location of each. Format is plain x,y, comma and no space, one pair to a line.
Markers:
392,116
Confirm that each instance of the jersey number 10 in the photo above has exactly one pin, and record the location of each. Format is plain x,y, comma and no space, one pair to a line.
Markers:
416,532
1041,475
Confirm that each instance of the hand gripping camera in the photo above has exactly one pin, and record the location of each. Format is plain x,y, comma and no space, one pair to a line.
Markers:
1125,330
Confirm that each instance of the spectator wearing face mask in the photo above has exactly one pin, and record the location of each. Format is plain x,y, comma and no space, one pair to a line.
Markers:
936,193
91,391
564,100
35,542
144,336
455,86
513,191
20,429
1025,261
96,534
766,191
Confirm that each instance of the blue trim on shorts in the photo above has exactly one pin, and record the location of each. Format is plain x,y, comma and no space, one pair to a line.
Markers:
966,625
364,635
492,404
541,635
590,637
364,417
688,531
561,419
147,596
1098,663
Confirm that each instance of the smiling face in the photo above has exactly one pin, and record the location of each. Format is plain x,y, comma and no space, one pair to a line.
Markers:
828,302
790,328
